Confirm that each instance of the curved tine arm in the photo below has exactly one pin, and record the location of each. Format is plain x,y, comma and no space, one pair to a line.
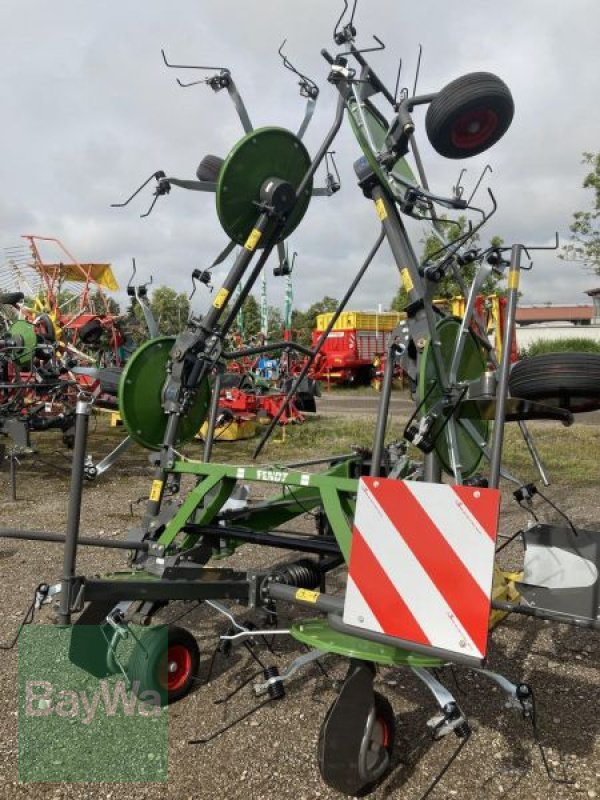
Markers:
223,254
240,106
158,175
190,83
554,246
194,186
191,66
487,168
311,103
130,281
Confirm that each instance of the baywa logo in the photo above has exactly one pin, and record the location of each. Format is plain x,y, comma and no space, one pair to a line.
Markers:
83,714
42,699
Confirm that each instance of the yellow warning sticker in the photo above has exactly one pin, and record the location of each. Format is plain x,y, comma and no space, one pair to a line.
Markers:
221,298
155,491
513,279
406,280
253,239
381,209
307,595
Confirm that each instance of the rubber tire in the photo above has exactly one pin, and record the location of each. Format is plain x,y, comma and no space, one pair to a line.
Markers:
305,402
91,332
47,330
383,712
567,380
468,93
148,656
209,168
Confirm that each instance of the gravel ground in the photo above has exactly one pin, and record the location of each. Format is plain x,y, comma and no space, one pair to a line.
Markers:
273,753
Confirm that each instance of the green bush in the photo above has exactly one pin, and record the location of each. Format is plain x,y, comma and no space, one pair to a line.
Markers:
575,345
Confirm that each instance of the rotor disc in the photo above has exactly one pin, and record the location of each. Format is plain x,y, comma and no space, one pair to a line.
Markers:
471,367
140,397
262,154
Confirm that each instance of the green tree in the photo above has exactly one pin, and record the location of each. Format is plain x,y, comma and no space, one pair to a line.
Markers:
304,322
170,309
275,324
251,312
585,228
449,286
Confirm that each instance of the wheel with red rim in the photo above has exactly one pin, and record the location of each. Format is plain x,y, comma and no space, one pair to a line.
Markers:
370,760
469,115
165,660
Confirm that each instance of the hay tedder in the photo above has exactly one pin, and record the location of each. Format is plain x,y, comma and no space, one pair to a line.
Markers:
417,536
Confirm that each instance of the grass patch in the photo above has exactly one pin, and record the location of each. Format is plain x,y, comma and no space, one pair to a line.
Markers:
569,454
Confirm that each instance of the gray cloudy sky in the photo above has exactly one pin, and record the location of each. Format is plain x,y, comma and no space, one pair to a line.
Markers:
89,111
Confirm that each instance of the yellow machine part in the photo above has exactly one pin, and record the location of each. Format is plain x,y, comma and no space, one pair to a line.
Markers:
361,320
101,274
503,588
231,431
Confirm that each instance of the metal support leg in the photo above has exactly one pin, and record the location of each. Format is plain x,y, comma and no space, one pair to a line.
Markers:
384,406
212,417
82,417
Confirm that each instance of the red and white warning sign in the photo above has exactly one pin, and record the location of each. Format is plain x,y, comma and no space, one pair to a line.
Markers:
421,564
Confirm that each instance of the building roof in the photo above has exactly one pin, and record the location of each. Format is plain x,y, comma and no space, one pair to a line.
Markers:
531,314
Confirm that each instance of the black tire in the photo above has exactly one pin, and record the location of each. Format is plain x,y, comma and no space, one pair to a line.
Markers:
209,168
305,402
149,667
469,115
46,327
91,332
567,380
381,745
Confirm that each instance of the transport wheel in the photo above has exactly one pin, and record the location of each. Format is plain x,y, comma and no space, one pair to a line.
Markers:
469,115
567,380
366,764
209,168
165,662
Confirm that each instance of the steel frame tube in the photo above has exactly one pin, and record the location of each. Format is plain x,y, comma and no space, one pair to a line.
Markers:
82,418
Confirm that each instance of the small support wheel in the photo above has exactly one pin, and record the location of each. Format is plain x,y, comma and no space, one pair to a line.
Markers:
165,662
469,115
357,737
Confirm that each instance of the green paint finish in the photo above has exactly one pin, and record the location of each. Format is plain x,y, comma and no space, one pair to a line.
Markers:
471,367
317,633
191,506
338,512
140,397
376,132
25,331
333,491
262,154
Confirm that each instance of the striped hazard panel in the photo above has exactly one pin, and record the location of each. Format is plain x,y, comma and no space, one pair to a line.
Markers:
421,563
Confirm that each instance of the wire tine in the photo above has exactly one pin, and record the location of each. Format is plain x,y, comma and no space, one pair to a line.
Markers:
337,24
418,70
190,66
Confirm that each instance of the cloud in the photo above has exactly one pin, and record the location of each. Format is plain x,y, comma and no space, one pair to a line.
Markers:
90,111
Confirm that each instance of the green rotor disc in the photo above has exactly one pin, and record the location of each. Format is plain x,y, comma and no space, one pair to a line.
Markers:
262,154
319,634
375,134
140,397
25,330
471,367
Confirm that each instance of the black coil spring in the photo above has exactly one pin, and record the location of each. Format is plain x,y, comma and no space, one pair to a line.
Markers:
303,573
276,689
